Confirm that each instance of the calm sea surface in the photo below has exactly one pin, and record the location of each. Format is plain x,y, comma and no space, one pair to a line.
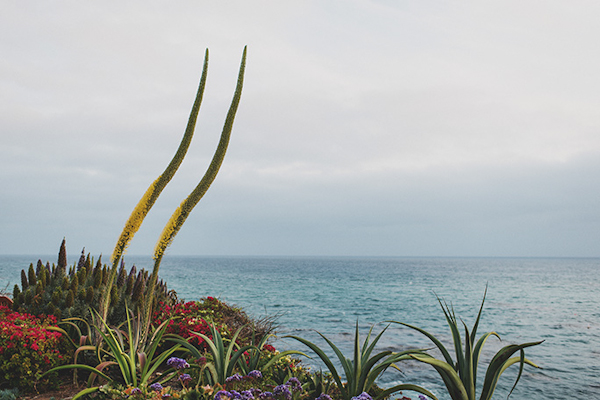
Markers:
556,300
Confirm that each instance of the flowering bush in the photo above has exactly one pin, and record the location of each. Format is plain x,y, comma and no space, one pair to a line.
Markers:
28,349
193,316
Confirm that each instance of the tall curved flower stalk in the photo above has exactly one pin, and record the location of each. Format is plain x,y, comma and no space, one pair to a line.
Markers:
149,198
185,208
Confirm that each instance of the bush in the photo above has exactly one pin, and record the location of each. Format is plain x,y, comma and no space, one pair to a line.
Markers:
72,291
190,317
197,316
28,349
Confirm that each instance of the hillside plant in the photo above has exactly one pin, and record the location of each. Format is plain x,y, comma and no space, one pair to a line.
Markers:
197,316
74,291
364,368
29,349
460,376
122,349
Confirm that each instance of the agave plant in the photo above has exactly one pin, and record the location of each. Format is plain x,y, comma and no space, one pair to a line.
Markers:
362,371
252,359
136,363
224,356
460,376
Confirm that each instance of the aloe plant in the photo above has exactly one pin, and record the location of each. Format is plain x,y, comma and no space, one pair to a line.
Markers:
224,356
136,363
460,376
362,371
252,361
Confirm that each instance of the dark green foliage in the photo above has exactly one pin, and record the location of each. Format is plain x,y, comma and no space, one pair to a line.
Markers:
81,262
62,255
31,275
48,291
89,295
9,394
16,291
75,283
24,281
70,298
191,395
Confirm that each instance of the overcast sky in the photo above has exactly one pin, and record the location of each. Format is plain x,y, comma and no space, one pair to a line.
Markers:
378,128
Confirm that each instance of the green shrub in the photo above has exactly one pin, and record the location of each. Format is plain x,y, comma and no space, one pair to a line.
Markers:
9,394
72,292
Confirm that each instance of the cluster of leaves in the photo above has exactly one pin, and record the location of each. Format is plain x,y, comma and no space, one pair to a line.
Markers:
72,291
28,348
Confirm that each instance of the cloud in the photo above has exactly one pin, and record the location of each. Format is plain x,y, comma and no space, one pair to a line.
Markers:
366,127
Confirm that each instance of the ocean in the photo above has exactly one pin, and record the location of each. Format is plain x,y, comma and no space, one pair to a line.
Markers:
528,299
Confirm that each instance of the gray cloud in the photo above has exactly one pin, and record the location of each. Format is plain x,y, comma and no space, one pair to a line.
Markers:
366,127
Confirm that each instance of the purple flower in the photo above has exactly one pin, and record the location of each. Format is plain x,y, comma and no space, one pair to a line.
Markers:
235,394
295,384
177,363
247,395
323,396
254,374
156,386
283,390
363,396
135,391
266,396
222,395
233,378
421,397
185,378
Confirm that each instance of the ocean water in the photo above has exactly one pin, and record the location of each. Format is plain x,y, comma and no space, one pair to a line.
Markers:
555,300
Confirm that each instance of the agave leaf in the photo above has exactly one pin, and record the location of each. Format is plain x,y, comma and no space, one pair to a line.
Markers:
451,378
85,392
99,368
366,352
477,352
157,363
326,361
468,367
79,366
368,372
187,345
346,365
435,341
357,364
117,352
453,324
476,325
498,365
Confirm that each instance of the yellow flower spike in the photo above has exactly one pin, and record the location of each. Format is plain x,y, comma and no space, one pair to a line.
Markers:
185,208
149,198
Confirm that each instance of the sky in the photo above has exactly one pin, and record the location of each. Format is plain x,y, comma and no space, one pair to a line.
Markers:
365,128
